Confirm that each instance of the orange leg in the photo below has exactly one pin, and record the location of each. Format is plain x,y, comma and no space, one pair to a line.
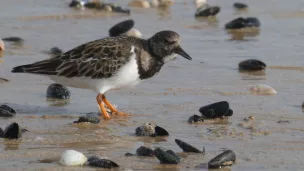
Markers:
111,107
101,106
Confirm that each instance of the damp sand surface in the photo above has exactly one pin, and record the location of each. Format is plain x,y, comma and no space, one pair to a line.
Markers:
169,98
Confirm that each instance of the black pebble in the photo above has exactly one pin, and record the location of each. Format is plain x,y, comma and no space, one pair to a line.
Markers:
6,111
57,91
165,157
206,12
56,51
13,39
12,131
145,151
240,23
227,158
90,119
216,110
102,163
129,154
239,5
121,28
187,147
195,119
251,65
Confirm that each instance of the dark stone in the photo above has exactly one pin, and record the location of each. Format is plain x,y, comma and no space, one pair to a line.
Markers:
74,3
12,131
119,9
227,158
187,147
145,151
6,111
252,65
57,91
216,110
165,157
195,119
90,119
102,163
174,154
13,39
149,129
206,11
1,133
121,28
159,131
129,154
239,5
56,51
240,23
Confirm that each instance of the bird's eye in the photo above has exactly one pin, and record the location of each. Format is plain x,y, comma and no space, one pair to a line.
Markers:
167,41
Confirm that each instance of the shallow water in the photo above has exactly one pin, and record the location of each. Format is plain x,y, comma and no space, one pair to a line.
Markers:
169,98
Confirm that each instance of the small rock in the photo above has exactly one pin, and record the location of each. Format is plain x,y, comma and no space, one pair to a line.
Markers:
6,111
57,91
240,23
89,119
207,11
145,151
72,158
227,158
55,51
13,131
13,39
252,65
129,154
102,163
150,129
165,157
240,6
1,133
262,89
216,110
195,119
121,28
187,147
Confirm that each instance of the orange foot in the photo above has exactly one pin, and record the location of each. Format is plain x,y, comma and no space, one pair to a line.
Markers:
102,108
112,108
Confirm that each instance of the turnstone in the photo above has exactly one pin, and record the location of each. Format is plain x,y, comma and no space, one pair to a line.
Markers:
109,63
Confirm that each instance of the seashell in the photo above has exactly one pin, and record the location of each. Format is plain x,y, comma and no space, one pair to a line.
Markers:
216,110
6,111
200,3
134,32
252,65
187,147
1,133
150,129
139,3
57,91
119,9
227,158
72,158
145,151
262,89
165,157
173,154
195,119
89,119
240,6
121,28
207,11
102,163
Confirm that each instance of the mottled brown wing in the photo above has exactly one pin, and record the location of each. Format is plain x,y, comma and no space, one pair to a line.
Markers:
97,59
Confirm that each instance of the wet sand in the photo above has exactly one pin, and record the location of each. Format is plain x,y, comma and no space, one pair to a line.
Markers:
169,98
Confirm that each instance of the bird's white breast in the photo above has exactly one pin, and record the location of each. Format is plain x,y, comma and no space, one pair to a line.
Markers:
127,75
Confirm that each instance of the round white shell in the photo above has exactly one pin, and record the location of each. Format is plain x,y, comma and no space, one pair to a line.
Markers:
262,89
72,158
134,32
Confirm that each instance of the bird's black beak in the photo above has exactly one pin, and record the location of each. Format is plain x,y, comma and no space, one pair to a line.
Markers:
182,53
